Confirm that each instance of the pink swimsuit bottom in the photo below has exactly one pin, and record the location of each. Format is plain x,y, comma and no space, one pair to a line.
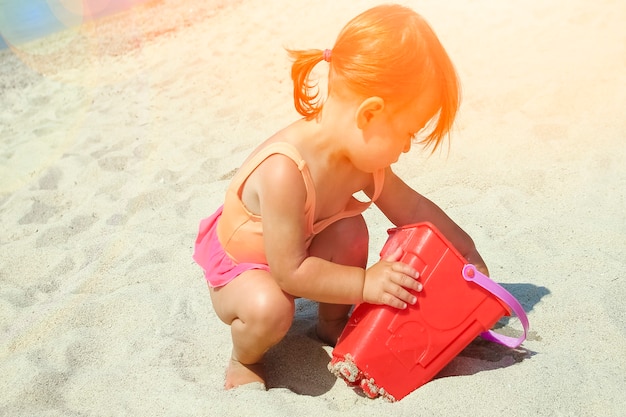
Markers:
219,268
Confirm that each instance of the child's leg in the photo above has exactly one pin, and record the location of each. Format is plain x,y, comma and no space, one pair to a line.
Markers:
259,314
344,242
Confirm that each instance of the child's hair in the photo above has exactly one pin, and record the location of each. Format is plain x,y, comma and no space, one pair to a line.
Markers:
388,51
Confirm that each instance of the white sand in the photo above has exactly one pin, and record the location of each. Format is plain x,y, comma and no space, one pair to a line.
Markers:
118,138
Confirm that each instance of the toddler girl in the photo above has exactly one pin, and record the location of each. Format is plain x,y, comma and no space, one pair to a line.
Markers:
290,226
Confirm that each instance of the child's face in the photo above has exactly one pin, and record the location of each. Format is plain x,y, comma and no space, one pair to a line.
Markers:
393,132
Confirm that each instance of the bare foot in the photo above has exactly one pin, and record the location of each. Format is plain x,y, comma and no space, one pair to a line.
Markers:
330,330
238,374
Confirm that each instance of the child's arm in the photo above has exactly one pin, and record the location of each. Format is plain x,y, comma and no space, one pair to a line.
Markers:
281,195
402,205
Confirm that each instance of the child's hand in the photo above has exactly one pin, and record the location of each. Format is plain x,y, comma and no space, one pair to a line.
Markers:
387,281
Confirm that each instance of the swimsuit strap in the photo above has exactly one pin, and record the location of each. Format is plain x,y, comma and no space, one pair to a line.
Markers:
354,206
290,151
379,181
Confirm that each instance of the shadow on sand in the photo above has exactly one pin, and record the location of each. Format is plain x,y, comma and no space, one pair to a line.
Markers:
482,355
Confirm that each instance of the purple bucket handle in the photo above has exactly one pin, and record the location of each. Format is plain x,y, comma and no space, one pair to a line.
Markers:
470,273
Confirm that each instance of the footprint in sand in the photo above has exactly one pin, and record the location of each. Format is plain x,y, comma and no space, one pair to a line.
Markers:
39,213
57,236
50,180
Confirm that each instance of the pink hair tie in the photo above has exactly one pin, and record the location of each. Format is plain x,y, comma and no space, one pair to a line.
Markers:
326,54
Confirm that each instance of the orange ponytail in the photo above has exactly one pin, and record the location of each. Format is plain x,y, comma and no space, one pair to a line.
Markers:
306,95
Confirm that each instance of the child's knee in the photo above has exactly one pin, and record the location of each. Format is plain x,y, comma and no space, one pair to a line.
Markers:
344,242
350,228
272,313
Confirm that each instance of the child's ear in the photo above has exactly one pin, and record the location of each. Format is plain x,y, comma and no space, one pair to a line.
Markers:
368,108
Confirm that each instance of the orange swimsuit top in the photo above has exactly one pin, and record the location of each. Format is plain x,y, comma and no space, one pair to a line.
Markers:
240,232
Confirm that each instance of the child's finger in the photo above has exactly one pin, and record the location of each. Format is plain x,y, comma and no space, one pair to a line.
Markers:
399,298
405,269
392,301
408,282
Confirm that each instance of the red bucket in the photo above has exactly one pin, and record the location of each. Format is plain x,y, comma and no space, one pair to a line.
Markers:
391,352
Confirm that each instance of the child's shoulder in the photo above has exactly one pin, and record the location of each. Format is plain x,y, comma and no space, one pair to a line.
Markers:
288,141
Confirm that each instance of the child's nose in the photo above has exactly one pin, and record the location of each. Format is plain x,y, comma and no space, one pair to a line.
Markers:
407,146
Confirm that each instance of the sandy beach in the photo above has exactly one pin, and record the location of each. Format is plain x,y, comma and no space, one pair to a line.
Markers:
119,135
